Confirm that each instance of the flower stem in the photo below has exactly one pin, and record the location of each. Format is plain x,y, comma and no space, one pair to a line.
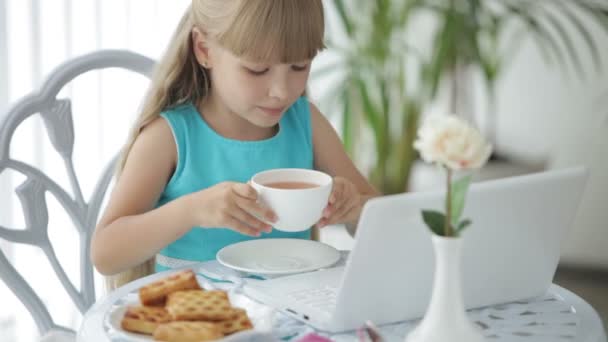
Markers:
448,204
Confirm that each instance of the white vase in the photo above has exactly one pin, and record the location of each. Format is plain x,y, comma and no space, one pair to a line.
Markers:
446,319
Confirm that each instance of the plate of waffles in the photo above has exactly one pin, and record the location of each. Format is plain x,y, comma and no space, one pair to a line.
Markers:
278,256
177,308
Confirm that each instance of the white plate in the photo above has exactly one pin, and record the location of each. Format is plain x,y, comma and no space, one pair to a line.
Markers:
261,320
277,256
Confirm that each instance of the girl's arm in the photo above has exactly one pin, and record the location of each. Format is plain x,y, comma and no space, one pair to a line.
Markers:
351,189
132,230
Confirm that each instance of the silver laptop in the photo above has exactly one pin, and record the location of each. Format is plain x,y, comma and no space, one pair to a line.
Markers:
511,252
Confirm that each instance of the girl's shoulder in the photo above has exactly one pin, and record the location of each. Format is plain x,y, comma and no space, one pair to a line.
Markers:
299,111
181,109
157,130
183,115
302,105
155,144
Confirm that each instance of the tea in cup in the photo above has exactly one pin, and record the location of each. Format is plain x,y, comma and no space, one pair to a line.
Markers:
297,196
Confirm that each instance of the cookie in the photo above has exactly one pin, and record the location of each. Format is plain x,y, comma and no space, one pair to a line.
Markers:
187,332
144,319
238,321
199,305
156,293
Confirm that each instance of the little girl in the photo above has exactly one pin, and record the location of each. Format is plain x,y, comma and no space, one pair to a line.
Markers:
226,102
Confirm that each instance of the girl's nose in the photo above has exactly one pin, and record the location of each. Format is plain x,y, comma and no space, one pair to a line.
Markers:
278,88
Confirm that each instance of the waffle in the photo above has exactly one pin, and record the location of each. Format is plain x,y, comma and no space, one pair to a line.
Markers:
144,319
156,293
238,321
187,332
197,305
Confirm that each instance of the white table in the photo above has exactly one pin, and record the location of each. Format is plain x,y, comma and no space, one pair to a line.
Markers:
560,315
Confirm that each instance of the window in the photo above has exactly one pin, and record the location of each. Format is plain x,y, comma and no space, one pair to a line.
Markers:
35,37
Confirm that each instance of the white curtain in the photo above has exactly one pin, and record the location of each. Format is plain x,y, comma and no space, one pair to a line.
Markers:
35,37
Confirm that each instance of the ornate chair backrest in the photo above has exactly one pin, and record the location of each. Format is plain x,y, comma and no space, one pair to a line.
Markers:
58,122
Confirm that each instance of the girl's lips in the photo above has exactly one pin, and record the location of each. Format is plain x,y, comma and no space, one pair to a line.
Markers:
272,111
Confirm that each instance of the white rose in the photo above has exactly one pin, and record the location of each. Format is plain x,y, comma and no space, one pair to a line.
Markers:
452,142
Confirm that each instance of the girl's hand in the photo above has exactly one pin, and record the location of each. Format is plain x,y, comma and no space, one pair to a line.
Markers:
344,203
231,205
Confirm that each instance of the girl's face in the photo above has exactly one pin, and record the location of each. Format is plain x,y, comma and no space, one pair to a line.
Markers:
258,92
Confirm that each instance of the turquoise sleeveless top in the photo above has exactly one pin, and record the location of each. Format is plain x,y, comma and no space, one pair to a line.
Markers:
205,158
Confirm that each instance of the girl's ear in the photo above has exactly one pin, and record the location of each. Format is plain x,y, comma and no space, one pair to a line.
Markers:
201,48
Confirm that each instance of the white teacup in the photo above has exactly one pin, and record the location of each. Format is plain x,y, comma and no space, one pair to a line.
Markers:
297,196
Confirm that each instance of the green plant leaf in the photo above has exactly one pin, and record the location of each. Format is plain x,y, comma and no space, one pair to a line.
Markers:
435,221
347,123
462,225
405,12
443,43
515,42
595,54
565,37
539,31
486,63
459,191
385,118
369,110
600,14
346,22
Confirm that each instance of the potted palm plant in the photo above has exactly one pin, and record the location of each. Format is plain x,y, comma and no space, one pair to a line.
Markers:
371,92
385,80
482,37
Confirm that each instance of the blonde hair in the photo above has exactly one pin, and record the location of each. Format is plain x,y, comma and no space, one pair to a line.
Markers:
285,31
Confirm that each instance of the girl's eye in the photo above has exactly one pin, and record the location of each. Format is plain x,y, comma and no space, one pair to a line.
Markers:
257,72
299,67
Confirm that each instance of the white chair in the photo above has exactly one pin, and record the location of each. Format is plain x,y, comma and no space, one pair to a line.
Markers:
58,123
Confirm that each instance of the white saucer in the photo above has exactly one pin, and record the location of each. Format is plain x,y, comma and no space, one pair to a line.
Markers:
277,256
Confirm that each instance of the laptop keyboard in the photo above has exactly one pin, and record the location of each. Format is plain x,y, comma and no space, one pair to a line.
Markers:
321,298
